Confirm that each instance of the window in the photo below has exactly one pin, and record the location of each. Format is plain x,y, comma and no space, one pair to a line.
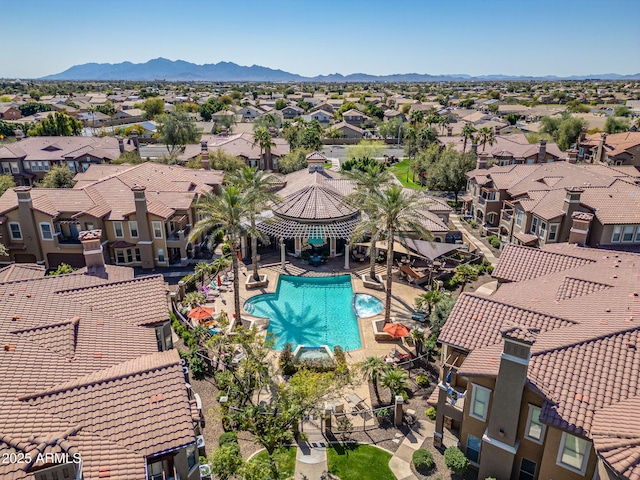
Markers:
72,165
535,428
136,251
637,239
191,456
527,470
479,402
160,255
133,228
573,453
473,448
89,226
553,232
534,225
617,231
6,168
519,217
16,233
119,256
157,229
45,231
27,165
129,255
117,228
14,167
627,233
543,230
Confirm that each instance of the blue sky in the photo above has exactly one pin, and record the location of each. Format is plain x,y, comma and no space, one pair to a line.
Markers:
309,37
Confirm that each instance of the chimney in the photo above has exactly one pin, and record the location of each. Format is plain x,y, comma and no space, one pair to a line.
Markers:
449,131
204,155
121,144
572,155
500,441
600,152
92,250
542,151
580,227
19,134
474,148
145,242
482,160
583,135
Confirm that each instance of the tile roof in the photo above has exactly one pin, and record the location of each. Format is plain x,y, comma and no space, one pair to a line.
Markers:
521,263
616,436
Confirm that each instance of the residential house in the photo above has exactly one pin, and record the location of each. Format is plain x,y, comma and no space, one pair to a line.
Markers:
540,379
10,112
615,149
355,117
144,212
250,113
89,374
322,117
349,131
537,204
326,106
391,114
29,159
130,115
291,111
243,145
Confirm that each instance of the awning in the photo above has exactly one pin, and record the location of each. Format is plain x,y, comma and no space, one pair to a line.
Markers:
526,238
121,244
429,250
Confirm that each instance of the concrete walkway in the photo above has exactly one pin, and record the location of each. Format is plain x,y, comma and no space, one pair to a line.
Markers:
400,463
311,456
462,226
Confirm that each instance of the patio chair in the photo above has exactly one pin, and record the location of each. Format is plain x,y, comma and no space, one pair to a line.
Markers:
355,402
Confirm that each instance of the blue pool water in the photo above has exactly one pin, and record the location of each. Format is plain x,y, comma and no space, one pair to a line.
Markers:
367,305
309,311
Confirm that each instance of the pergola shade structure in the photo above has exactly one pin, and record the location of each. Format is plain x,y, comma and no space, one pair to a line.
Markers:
315,214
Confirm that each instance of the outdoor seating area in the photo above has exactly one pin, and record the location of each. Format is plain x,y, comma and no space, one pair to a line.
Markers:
356,403
395,357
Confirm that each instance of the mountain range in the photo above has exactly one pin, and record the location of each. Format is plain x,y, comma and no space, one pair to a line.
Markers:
179,70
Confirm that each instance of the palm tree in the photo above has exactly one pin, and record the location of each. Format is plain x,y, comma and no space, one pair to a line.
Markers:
368,182
373,368
429,299
486,135
201,270
393,212
262,138
396,380
417,116
467,133
224,213
465,274
258,192
443,121
418,338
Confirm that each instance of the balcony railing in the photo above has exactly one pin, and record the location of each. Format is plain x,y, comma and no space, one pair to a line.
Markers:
506,216
482,200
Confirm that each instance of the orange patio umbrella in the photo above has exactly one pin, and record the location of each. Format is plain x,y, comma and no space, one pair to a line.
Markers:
200,313
219,281
396,330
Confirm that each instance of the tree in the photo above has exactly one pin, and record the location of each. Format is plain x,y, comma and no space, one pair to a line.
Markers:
153,107
226,461
616,125
390,129
569,131
6,182
416,117
429,299
486,135
280,104
466,103
55,125
268,121
366,149
293,161
464,274
58,177
30,108
512,118
258,193
62,269
373,369
175,130
468,132
262,138
224,213
418,338
219,160
345,107
396,380
493,108
622,111
440,314
35,94
312,136
448,173
393,212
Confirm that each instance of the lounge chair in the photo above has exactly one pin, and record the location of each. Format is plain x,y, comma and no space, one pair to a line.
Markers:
355,402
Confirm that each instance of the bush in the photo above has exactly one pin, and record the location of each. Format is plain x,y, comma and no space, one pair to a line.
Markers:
226,248
455,460
431,413
494,241
227,437
451,283
423,459
422,380
473,224
286,360
488,269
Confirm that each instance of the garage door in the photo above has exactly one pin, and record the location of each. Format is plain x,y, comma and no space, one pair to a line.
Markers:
25,258
76,260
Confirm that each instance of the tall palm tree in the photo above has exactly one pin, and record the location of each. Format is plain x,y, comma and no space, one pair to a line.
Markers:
393,212
467,133
486,135
443,121
368,182
396,380
418,338
465,274
429,299
258,193
224,213
373,368
262,138
417,116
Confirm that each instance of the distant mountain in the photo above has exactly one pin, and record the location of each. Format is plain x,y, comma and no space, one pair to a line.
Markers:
179,70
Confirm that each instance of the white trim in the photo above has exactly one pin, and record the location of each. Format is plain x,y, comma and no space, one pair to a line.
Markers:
585,459
475,388
115,231
21,237
24,200
129,222
528,426
145,242
579,230
501,445
514,359
153,229
143,199
89,252
50,231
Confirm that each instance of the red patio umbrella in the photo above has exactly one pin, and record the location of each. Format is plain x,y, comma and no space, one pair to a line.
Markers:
200,313
396,330
219,281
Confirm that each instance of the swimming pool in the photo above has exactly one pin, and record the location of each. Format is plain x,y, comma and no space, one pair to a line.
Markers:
367,305
310,311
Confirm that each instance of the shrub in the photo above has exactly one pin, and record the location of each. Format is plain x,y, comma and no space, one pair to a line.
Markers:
473,224
225,248
286,360
197,365
227,437
422,380
489,269
431,413
455,460
494,241
423,459
451,283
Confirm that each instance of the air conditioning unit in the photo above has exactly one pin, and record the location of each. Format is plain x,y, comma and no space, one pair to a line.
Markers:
205,472
200,444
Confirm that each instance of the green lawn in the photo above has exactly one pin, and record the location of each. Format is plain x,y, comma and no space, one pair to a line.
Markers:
286,461
359,462
400,171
